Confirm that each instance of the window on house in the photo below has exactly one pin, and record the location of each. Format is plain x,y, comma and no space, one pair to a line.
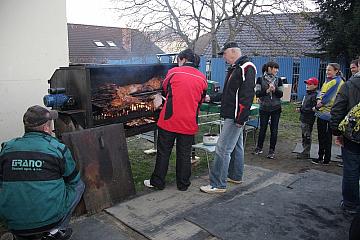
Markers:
99,43
111,43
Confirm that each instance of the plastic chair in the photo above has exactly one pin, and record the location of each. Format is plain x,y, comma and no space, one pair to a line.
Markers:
207,150
251,126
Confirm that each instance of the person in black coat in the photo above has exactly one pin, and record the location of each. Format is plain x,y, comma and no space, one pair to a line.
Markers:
269,89
347,97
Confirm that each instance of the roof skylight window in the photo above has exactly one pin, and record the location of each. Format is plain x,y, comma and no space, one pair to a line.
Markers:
111,43
99,43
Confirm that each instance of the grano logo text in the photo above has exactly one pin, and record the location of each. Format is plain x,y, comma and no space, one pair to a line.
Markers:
26,163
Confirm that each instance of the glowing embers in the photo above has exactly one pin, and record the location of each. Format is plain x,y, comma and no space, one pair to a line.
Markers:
140,122
132,110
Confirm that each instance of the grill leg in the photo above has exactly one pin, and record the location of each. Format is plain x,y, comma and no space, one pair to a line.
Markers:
207,159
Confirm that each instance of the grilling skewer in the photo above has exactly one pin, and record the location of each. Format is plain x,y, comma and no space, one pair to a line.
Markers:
138,94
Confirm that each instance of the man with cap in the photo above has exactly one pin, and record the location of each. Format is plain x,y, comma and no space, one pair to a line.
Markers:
236,100
39,183
307,116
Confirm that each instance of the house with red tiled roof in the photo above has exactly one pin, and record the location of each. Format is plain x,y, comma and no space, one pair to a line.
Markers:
100,44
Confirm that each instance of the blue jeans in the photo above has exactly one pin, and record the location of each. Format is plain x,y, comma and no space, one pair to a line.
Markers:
350,183
229,155
79,188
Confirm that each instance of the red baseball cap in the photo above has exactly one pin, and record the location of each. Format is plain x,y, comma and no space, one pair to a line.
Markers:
312,81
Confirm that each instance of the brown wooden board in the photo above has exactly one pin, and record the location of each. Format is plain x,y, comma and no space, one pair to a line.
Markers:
102,157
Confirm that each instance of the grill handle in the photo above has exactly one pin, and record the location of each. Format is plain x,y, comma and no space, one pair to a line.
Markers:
101,141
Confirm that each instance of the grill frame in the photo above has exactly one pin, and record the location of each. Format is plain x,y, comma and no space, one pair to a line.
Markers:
80,80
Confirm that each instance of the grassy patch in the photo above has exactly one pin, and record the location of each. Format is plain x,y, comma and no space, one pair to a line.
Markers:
289,114
289,126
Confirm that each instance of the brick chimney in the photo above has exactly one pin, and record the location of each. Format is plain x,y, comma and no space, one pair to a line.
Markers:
126,38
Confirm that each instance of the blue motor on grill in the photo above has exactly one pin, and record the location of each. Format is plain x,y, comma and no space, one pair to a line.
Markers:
57,98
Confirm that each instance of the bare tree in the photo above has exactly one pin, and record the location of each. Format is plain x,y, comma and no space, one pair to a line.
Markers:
189,19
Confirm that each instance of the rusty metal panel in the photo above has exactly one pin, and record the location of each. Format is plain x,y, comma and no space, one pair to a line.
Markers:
102,157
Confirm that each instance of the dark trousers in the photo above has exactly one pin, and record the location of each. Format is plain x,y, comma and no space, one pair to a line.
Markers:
165,144
306,130
274,124
354,232
350,182
325,140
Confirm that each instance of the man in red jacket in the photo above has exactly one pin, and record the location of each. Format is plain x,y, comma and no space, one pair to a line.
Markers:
185,88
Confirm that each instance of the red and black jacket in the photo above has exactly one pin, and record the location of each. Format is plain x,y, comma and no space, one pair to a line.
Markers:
238,92
185,88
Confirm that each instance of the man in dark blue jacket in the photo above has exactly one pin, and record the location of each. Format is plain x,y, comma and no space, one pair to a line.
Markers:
39,183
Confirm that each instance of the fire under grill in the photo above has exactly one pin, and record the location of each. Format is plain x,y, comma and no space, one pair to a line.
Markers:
94,95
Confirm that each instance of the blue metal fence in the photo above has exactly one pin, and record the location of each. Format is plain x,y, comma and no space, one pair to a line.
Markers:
286,67
259,62
218,70
309,67
202,66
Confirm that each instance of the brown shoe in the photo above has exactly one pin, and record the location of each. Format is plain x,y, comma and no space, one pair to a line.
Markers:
234,181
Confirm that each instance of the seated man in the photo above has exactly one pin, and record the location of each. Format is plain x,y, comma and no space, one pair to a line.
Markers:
39,183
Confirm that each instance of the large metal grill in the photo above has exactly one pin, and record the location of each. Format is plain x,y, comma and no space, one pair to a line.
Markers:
95,95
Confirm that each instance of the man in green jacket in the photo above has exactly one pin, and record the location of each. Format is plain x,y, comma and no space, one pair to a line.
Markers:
39,183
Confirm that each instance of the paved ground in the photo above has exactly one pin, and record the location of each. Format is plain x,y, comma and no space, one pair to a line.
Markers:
163,214
171,214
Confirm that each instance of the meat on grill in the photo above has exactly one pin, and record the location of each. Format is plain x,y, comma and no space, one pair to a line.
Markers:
123,98
128,89
152,84
111,96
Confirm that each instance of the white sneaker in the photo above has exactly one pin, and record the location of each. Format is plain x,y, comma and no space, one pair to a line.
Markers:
234,181
194,160
147,183
7,236
210,189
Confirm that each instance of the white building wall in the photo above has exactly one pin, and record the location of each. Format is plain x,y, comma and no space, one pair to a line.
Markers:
33,43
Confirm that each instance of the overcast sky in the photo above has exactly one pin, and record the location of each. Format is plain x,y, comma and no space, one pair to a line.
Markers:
98,12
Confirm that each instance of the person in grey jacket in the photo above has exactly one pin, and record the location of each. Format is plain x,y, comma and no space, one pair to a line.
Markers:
269,89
